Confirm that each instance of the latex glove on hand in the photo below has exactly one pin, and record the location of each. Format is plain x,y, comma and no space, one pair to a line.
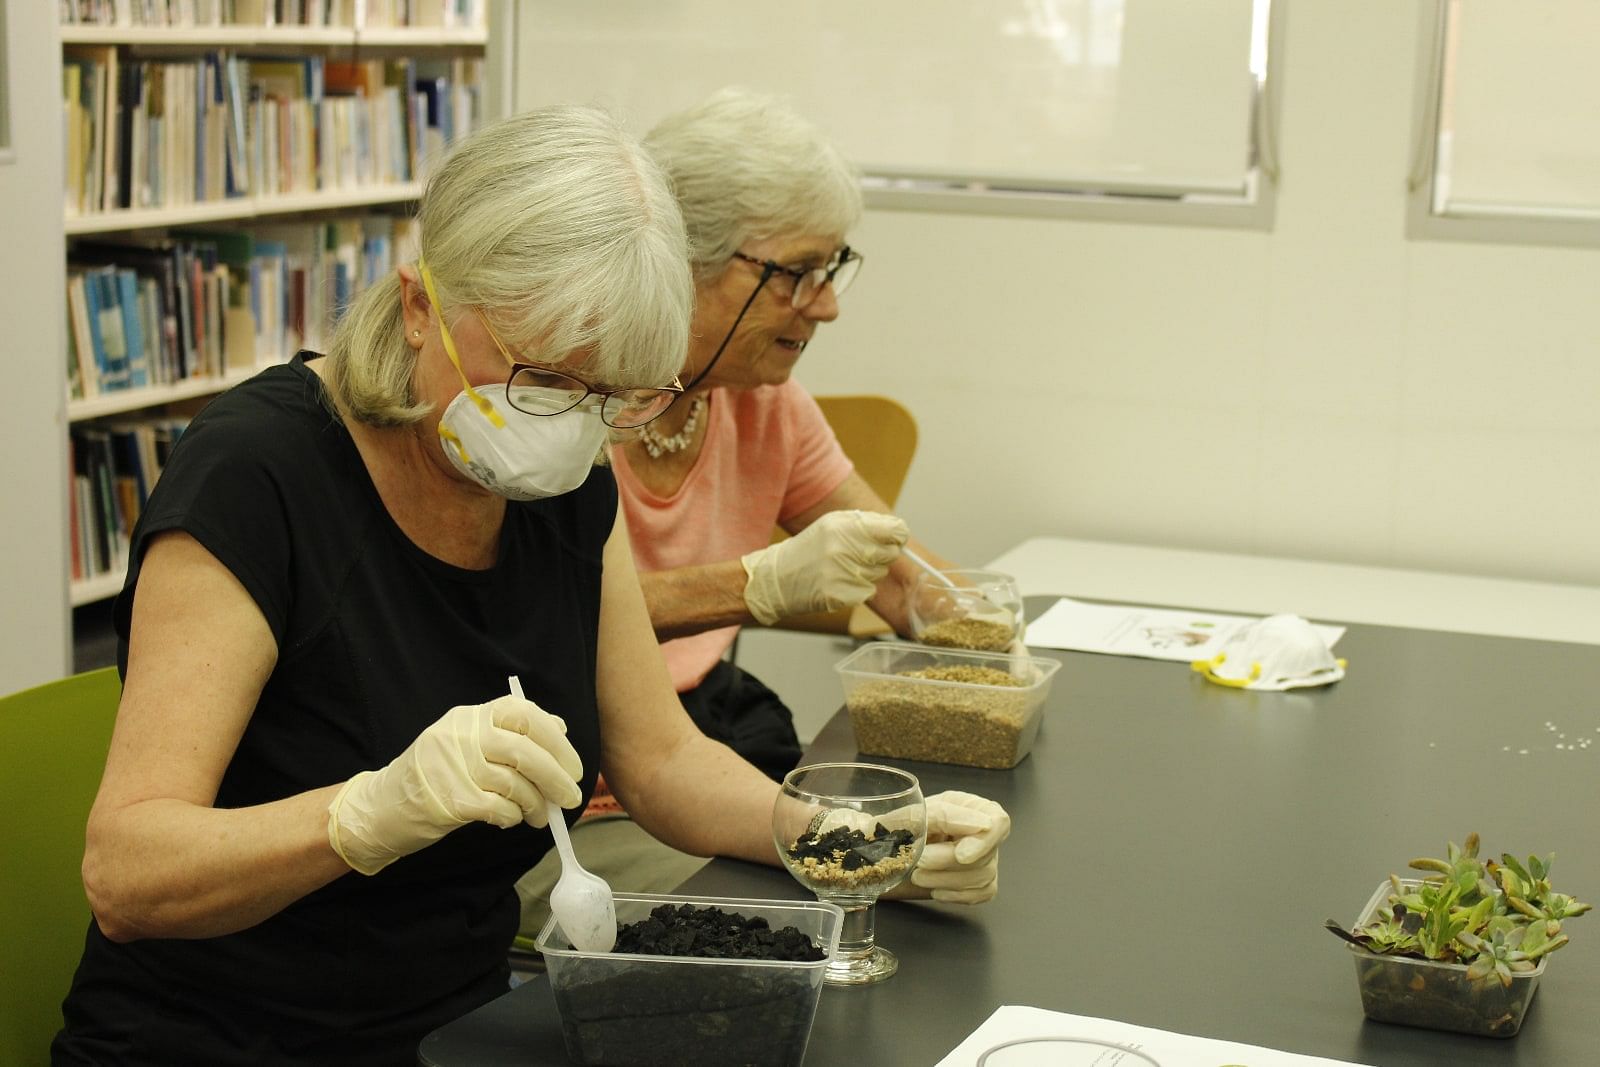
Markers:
836,562
1017,647
493,763
961,862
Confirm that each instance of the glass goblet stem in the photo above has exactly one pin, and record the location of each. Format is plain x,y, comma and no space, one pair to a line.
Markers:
857,934
859,960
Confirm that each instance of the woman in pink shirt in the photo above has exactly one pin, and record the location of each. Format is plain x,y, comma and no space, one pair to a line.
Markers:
767,201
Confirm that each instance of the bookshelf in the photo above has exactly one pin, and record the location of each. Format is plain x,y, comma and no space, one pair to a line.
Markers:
192,261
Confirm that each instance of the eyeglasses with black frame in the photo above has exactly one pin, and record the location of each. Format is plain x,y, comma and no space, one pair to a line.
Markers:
808,283
539,390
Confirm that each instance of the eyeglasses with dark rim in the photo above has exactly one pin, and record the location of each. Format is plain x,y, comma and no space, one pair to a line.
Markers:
539,390
808,284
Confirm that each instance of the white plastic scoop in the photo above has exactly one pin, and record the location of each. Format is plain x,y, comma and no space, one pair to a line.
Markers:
581,901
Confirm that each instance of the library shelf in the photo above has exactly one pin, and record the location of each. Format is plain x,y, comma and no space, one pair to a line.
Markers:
278,36
83,591
120,401
244,207
423,37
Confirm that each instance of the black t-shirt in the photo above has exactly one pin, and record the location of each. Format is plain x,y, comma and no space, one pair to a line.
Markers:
376,639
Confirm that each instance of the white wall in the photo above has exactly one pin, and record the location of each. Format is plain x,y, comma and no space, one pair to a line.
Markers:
1327,390
33,435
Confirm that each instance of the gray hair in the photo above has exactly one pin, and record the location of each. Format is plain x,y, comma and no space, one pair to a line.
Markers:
746,167
563,231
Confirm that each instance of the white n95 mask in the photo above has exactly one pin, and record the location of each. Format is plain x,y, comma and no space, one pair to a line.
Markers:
1278,652
518,455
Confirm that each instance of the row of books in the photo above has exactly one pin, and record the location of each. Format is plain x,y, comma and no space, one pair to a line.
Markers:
114,467
156,310
147,133
186,13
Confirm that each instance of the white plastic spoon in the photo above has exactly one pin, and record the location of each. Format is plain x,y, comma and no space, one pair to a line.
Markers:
581,901
943,579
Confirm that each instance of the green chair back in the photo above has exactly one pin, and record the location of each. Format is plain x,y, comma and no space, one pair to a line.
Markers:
53,742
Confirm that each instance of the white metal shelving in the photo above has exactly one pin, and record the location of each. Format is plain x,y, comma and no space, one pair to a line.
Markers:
83,591
244,207
277,36
124,400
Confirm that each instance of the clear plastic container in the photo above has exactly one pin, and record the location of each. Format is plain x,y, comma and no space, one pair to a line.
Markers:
1437,995
980,610
620,1009
971,723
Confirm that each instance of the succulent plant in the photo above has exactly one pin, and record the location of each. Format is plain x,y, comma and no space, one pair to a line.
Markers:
1497,918
1527,890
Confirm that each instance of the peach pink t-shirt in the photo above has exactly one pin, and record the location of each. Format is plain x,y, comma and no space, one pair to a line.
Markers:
769,454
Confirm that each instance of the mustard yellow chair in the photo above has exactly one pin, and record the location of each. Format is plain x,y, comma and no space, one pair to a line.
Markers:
880,437
53,742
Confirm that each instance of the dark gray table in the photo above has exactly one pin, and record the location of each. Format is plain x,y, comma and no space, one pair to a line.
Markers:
1177,845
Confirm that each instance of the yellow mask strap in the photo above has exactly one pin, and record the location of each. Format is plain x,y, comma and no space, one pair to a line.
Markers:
484,407
449,437
1207,668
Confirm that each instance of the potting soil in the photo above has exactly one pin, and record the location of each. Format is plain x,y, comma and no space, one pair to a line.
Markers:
656,1012
686,930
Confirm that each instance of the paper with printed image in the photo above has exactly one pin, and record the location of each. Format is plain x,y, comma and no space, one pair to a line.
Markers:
1016,1036
1153,633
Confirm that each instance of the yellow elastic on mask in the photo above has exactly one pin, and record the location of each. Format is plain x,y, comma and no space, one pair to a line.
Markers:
1207,669
485,408
448,436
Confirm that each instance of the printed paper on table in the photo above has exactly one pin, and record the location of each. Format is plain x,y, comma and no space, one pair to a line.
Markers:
1016,1023
1153,633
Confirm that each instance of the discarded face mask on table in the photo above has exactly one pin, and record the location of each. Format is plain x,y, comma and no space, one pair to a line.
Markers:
1277,652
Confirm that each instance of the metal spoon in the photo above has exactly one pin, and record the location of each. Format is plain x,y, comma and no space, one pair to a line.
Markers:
581,901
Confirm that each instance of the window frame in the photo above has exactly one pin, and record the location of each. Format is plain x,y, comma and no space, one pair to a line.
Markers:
1253,207
7,151
1423,222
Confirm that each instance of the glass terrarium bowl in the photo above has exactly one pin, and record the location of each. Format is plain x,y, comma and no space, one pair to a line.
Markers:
850,832
973,609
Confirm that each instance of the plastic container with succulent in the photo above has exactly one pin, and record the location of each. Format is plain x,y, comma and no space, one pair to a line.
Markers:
1461,948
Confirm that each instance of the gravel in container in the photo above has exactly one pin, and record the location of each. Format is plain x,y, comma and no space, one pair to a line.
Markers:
849,860
979,635
945,705
942,724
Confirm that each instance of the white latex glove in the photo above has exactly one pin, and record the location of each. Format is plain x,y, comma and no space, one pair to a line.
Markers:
835,562
961,861
1017,647
493,763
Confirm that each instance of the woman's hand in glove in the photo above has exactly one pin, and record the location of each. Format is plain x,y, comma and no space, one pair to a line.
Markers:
835,562
961,862
493,763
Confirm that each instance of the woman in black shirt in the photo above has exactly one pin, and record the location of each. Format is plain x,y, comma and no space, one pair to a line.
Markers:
345,560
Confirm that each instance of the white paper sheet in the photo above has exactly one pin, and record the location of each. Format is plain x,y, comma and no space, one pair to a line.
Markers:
1016,1023
1129,630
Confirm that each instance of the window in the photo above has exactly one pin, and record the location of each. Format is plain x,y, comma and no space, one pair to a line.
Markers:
971,104
1509,122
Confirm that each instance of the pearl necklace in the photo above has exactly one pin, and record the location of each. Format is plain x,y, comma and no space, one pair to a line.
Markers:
655,444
